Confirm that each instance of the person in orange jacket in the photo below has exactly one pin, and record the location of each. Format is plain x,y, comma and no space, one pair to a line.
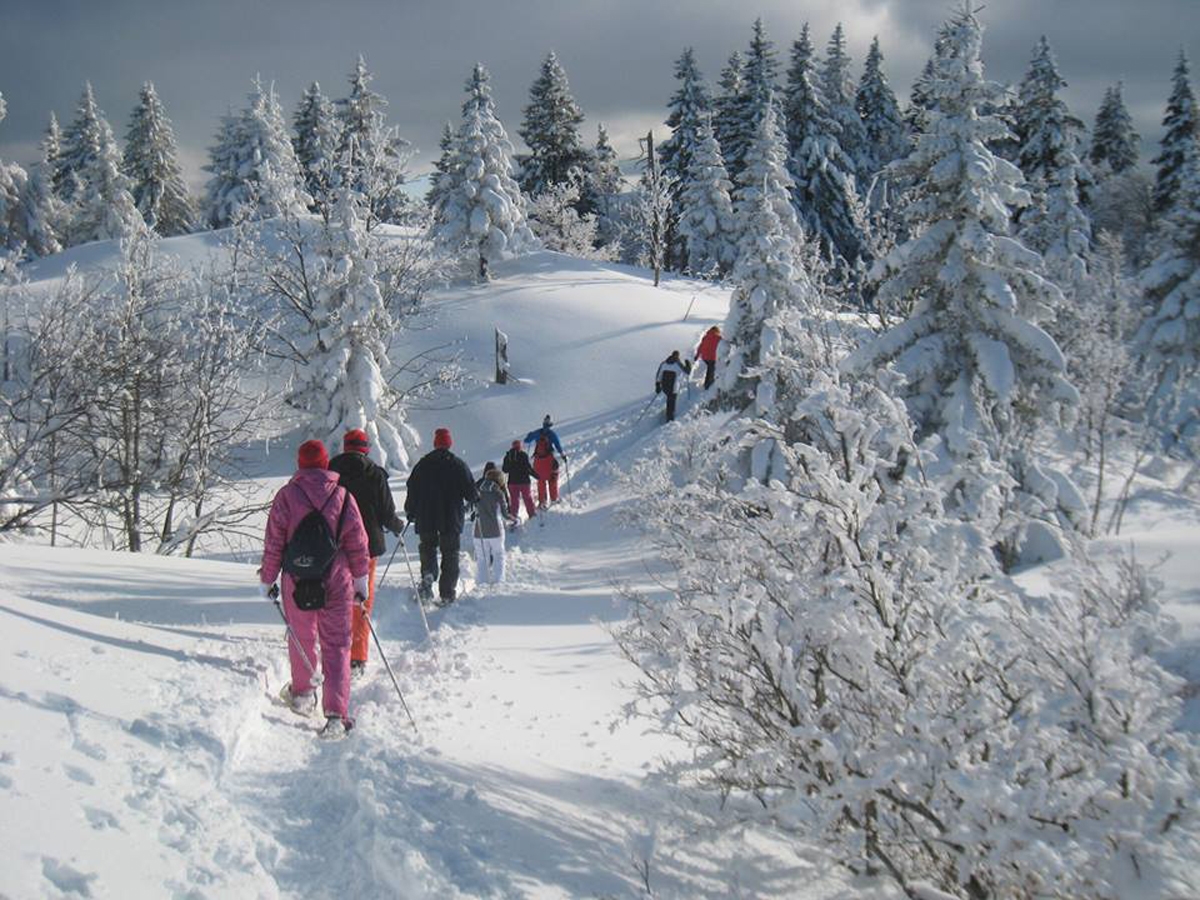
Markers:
707,353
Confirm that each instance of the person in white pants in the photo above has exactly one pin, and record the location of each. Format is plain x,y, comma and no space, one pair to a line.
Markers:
489,526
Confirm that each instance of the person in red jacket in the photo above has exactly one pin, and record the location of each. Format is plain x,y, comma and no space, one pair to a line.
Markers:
707,353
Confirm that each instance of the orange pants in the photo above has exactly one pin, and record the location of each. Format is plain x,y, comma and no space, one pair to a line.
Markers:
360,642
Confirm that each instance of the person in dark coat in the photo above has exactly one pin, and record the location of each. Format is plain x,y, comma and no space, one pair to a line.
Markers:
368,485
671,371
440,487
520,474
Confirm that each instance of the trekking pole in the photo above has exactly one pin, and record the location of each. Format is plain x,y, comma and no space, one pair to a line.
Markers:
416,591
645,409
316,676
387,665
567,469
388,567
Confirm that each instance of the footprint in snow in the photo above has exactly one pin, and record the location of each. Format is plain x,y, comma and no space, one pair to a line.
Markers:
100,819
67,878
76,774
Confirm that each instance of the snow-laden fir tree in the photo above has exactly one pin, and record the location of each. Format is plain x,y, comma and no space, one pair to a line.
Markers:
551,132
341,380
372,157
768,271
12,184
1182,125
51,147
759,74
602,189
725,102
688,106
556,223
317,137
981,375
1114,141
836,85
97,192
443,167
1049,135
43,216
825,189
481,211
253,165
1169,340
886,135
707,224
152,164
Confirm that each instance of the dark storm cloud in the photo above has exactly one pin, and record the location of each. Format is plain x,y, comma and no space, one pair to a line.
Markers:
618,53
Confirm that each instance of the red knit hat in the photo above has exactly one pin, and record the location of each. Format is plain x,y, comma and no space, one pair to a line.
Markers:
442,439
312,455
355,440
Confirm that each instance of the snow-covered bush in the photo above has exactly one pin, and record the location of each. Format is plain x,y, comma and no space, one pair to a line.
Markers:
842,651
555,221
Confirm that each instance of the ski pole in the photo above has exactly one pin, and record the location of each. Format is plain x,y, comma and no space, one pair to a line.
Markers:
387,665
316,676
567,486
388,567
416,590
645,409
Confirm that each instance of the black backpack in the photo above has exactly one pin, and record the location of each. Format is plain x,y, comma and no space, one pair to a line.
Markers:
309,554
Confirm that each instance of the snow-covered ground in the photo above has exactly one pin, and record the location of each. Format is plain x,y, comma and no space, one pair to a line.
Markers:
141,754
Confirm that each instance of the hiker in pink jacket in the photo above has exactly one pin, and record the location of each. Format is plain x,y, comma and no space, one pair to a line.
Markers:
315,487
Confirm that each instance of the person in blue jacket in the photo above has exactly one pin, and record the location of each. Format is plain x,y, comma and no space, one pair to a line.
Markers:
545,442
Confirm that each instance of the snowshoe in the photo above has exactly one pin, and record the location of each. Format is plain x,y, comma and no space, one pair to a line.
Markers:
301,704
335,728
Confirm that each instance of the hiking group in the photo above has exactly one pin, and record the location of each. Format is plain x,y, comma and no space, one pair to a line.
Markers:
325,532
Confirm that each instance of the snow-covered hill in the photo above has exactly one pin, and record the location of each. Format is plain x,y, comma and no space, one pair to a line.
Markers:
141,754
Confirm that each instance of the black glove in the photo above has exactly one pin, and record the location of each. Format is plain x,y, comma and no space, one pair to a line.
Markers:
396,526
657,388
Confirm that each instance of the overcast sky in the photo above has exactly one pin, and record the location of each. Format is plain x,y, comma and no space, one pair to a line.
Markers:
619,54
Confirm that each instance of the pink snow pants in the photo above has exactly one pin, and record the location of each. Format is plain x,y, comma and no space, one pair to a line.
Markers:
516,492
332,625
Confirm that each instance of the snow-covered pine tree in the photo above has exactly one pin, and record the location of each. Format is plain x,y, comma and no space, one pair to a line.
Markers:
706,221
836,86
152,164
51,148
344,386
551,131
1114,141
982,376
254,170
1182,124
725,103
316,141
44,215
1049,135
759,75
480,209
825,191
602,189
77,145
12,185
920,101
372,156
1169,341
689,105
443,167
885,131
768,272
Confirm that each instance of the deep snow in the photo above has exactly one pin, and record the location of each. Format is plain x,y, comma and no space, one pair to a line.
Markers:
141,753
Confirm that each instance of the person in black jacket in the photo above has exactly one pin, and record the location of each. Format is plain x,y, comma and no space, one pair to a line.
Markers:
440,487
520,474
368,485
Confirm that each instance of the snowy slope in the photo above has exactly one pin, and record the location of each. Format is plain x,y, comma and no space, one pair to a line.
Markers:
141,753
